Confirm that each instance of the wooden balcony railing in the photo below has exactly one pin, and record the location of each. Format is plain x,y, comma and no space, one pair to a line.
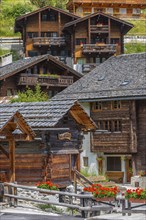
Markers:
135,2
37,41
99,48
48,80
99,28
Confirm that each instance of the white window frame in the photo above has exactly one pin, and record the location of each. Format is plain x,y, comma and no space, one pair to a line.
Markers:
123,11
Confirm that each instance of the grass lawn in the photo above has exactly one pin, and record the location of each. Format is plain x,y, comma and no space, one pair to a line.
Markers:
135,48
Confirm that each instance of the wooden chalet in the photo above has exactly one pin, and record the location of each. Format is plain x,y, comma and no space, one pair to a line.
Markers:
95,38
115,95
51,74
41,32
59,128
13,127
119,8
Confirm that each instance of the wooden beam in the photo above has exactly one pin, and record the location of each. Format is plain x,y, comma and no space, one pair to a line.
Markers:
39,24
109,30
4,151
89,33
59,24
12,158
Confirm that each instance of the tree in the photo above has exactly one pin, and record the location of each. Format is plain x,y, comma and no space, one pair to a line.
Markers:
31,95
54,3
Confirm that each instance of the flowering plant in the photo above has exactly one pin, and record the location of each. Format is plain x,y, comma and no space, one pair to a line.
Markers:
137,193
100,191
47,185
142,173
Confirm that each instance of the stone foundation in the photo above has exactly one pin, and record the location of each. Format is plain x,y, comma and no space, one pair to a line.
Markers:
138,181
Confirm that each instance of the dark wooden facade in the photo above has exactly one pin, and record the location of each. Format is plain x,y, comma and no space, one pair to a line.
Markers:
119,8
95,38
52,75
42,32
115,95
55,151
86,41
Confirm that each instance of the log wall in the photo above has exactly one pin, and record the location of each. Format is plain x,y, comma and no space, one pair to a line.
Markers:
141,135
124,141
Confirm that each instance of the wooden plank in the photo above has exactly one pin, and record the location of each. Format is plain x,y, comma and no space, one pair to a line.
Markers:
12,158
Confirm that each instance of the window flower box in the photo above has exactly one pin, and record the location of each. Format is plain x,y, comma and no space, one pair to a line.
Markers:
137,195
102,193
137,200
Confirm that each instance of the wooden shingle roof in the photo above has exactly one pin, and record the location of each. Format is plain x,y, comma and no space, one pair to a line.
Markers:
119,77
23,64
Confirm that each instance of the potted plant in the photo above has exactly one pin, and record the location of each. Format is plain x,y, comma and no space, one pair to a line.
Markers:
142,173
102,193
137,195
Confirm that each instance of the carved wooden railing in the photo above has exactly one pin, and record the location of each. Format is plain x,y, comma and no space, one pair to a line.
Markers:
48,41
48,80
99,48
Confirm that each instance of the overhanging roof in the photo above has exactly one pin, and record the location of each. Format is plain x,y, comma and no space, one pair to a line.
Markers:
8,125
23,64
79,20
43,115
43,9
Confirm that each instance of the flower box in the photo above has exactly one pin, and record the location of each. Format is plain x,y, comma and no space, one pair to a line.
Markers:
132,200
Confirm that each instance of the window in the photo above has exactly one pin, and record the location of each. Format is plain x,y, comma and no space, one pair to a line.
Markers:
85,161
9,92
52,16
136,11
123,11
32,34
80,41
44,17
109,11
97,105
32,53
110,125
113,163
116,104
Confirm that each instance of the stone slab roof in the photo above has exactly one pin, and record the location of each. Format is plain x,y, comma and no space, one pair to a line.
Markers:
43,115
23,64
119,77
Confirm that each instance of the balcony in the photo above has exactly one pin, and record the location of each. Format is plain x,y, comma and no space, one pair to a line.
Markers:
134,2
99,28
46,41
99,48
46,80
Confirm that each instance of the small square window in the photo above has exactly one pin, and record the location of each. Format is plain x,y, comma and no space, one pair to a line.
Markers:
85,161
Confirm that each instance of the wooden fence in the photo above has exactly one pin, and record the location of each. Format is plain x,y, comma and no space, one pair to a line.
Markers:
87,206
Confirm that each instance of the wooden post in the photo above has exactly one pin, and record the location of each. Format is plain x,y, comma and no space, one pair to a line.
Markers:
39,24
59,24
123,207
75,180
12,158
1,191
89,33
109,30
15,194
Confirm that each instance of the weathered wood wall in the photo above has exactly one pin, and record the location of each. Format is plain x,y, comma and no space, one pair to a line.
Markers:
141,135
124,141
49,159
